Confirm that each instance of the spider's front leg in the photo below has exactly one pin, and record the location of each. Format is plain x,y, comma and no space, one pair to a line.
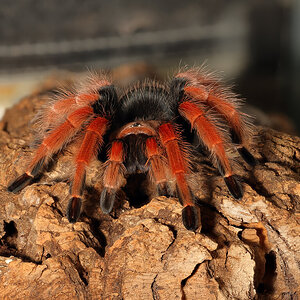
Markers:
157,166
179,168
113,176
91,143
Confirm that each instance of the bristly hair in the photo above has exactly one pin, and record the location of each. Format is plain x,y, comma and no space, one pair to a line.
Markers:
147,100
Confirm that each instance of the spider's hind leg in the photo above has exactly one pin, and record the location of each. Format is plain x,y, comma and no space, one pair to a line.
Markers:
206,91
214,141
242,150
52,143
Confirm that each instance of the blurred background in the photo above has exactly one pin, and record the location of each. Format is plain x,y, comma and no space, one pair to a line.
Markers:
255,43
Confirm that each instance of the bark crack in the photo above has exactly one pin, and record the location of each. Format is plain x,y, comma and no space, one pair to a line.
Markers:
185,280
154,289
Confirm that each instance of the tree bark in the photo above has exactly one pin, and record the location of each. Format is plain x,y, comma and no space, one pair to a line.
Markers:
246,249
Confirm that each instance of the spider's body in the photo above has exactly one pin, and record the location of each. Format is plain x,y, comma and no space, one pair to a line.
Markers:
143,129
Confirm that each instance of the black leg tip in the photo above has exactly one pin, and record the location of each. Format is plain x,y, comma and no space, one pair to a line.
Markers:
74,209
191,217
21,182
247,156
107,200
234,187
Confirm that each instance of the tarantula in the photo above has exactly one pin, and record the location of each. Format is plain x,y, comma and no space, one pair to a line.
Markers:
143,129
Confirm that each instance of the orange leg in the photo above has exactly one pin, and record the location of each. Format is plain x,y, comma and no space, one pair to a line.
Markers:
88,150
157,166
58,111
223,107
61,135
179,168
113,176
56,139
231,115
214,142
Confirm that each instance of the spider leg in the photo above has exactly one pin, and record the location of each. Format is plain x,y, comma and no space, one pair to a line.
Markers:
113,176
179,168
67,102
157,166
53,142
88,150
59,110
195,87
213,140
231,115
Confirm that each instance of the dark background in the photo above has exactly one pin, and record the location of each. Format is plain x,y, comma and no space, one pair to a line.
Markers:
256,43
